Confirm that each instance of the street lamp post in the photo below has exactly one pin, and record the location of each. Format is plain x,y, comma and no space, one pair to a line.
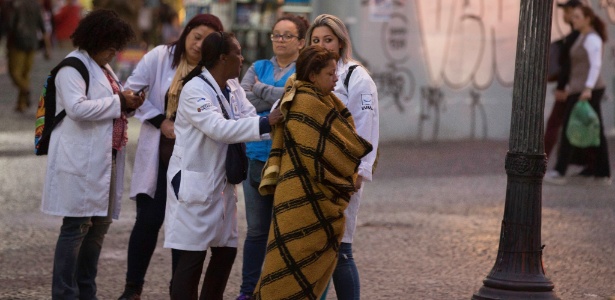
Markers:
518,272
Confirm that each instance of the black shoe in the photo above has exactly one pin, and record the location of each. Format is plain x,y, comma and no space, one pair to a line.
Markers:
131,292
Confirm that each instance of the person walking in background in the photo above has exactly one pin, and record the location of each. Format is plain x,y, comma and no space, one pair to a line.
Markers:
201,210
85,168
264,85
47,13
556,117
586,84
312,172
171,29
24,27
66,21
160,71
358,92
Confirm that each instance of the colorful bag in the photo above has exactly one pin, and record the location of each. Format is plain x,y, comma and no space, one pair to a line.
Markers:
46,118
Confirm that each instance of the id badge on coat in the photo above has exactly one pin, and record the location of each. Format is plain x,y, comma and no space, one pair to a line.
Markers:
235,109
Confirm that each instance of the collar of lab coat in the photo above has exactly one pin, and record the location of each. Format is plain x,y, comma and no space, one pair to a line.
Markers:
219,93
95,70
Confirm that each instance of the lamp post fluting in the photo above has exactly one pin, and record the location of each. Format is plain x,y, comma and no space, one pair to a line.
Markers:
518,272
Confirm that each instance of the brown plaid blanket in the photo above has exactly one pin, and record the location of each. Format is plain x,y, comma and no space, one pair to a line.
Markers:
311,171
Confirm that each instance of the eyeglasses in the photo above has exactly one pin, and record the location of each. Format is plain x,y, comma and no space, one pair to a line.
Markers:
285,37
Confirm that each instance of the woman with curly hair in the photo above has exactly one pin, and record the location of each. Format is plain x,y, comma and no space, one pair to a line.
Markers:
85,169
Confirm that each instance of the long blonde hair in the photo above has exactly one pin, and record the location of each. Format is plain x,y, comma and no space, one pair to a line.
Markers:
339,29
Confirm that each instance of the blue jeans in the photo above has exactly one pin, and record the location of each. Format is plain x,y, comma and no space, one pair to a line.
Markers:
258,216
345,276
75,263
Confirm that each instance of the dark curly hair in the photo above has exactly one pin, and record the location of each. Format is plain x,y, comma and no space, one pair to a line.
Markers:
312,60
208,20
100,30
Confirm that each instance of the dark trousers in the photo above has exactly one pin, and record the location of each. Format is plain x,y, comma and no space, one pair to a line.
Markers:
144,235
554,123
188,273
597,158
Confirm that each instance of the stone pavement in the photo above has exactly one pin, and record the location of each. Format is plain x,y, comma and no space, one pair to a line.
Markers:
428,229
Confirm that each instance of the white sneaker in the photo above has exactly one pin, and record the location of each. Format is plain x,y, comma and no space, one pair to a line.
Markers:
554,177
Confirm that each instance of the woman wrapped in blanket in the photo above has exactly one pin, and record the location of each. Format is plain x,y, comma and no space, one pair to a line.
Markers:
311,171
264,85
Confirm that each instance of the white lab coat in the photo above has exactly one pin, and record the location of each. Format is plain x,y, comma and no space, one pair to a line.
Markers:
154,70
77,183
361,99
205,213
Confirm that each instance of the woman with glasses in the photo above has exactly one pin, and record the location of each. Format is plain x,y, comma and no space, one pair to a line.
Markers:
357,91
201,209
264,84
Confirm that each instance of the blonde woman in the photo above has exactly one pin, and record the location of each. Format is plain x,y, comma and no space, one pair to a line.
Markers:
357,91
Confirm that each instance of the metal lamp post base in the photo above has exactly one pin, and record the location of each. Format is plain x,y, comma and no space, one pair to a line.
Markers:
487,293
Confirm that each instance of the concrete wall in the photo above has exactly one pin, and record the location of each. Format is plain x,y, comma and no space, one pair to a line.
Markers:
445,68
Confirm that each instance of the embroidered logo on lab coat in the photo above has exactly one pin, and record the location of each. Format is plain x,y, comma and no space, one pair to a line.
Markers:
366,102
207,105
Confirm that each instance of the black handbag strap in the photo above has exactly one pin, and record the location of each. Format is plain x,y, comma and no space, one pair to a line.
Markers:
347,80
226,115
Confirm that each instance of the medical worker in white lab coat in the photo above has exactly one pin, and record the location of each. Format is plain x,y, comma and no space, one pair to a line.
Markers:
201,211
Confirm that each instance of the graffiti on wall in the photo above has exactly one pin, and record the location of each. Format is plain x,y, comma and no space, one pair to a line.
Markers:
395,86
465,43
463,46
609,8
396,83
468,42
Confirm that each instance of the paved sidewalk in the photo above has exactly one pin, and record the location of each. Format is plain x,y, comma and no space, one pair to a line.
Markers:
428,228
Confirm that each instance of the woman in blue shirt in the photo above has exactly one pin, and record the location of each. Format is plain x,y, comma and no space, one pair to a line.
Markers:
264,85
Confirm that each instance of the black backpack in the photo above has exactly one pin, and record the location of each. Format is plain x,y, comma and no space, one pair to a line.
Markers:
46,118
